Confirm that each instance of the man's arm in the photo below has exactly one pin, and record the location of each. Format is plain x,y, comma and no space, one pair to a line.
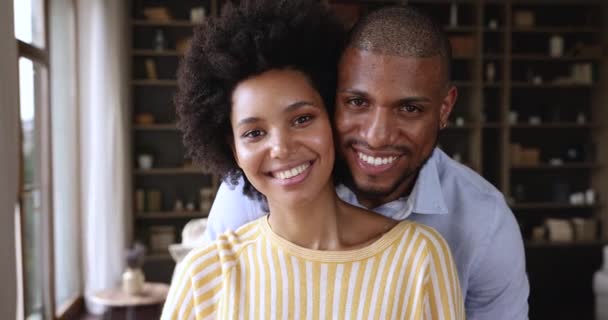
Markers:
498,284
230,210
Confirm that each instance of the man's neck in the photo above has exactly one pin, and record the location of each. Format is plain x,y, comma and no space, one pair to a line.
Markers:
374,200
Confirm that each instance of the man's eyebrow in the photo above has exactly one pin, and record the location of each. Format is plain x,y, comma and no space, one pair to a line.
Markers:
414,99
354,91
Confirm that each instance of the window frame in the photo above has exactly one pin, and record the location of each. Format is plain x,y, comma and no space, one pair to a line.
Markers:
43,138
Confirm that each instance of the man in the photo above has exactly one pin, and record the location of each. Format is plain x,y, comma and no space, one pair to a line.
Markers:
393,98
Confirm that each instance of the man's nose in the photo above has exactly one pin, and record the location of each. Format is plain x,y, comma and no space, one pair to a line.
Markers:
377,130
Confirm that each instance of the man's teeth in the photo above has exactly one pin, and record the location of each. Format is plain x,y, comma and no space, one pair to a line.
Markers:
290,173
375,161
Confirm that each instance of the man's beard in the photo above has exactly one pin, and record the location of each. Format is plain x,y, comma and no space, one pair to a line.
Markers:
343,175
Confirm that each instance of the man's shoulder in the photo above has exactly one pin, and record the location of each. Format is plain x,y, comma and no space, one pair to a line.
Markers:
450,169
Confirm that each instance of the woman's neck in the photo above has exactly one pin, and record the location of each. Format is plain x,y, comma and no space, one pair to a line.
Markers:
311,224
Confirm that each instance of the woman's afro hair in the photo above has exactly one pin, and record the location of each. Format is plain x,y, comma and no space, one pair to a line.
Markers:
246,40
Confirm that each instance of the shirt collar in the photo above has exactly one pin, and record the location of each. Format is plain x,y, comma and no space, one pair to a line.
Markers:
426,196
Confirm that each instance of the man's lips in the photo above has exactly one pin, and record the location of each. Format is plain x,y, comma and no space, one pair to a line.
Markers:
374,163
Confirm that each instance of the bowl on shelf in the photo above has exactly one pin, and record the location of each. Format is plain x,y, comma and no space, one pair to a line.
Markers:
192,237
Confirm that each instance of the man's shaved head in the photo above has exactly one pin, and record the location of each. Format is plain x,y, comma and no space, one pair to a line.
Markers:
402,31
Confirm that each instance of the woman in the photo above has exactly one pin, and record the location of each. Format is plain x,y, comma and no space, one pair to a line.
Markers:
256,92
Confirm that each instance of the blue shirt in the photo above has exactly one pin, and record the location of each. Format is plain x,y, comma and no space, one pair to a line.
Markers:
468,211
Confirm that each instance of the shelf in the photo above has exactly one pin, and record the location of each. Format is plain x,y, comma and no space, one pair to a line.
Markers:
460,28
171,23
156,53
492,125
466,126
155,82
559,244
544,57
548,85
156,127
170,215
554,125
548,206
169,171
158,256
573,29
565,166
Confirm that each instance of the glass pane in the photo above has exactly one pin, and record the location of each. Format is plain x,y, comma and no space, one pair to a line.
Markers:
29,21
27,78
31,94
32,262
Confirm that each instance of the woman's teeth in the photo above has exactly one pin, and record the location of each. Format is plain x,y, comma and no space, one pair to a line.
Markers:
290,173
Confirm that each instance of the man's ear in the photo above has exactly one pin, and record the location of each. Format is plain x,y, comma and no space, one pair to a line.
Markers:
448,104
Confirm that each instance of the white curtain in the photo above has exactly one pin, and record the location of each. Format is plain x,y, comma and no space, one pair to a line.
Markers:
104,150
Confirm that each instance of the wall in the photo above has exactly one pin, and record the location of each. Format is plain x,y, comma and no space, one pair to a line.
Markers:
9,169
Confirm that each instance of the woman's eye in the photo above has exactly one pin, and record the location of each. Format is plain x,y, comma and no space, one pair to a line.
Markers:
252,134
302,119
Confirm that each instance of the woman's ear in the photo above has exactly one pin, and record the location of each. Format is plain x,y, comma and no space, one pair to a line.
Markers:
230,142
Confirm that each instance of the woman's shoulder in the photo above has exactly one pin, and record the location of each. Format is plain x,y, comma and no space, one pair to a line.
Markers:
430,237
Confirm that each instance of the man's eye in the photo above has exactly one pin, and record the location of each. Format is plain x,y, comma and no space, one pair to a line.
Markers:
252,134
410,108
357,102
302,120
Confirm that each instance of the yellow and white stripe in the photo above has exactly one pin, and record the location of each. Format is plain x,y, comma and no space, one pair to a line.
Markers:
254,274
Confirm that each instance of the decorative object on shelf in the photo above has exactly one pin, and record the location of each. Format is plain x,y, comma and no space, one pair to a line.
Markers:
600,288
524,156
197,15
582,73
192,237
153,199
580,118
459,121
523,18
133,278
493,24
534,120
151,69
537,79
453,14
158,14
584,229
140,200
513,117
574,154
560,230
182,44
556,46
206,196
590,197
490,72
556,162
190,206
161,237
178,206
539,233
145,161
462,45
160,43
457,157
144,118
577,199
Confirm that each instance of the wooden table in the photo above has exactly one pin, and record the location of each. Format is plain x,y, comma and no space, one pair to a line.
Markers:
152,294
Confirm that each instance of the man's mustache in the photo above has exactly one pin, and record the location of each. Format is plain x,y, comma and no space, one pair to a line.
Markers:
394,148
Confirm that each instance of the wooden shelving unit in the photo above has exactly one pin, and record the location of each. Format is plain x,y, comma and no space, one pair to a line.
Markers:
156,49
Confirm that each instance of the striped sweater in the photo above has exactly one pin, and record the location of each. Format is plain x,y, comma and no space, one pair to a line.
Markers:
253,273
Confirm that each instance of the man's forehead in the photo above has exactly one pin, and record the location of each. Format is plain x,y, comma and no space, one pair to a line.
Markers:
356,60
